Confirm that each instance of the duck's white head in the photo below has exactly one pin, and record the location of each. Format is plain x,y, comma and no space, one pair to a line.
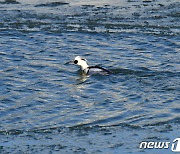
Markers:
82,62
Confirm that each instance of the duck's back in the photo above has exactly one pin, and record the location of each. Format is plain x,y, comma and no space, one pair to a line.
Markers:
98,70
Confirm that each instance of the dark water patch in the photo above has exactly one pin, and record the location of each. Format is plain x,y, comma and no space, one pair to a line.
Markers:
86,129
12,132
147,1
132,72
10,2
144,72
169,123
83,129
176,110
78,139
52,4
87,6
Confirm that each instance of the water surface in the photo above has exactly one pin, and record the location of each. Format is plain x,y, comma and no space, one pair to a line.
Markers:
46,106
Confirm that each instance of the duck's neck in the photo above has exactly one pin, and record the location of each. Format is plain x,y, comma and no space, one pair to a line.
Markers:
85,67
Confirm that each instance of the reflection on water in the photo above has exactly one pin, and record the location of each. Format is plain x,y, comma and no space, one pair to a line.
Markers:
48,106
82,78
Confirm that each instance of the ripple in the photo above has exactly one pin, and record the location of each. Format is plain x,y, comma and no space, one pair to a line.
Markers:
10,2
101,19
44,101
52,4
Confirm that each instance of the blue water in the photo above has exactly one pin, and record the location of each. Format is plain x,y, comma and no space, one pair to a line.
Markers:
48,107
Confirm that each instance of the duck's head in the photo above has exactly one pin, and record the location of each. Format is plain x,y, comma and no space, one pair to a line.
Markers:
82,62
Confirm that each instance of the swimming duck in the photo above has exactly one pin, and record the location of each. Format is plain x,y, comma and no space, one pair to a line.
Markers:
88,70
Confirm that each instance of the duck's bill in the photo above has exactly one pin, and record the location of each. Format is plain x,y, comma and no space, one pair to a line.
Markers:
69,62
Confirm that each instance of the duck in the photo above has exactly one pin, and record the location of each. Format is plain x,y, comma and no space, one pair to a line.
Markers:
89,70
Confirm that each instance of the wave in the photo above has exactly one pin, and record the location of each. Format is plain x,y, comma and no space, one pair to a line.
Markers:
51,4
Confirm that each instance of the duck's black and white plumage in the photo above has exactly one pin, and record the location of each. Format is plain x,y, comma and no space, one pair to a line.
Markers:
88,70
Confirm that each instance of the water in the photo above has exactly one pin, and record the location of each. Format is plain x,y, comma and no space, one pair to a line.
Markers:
47,107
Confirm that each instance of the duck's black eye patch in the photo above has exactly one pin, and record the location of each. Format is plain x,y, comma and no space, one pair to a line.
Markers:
75,62
83,59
